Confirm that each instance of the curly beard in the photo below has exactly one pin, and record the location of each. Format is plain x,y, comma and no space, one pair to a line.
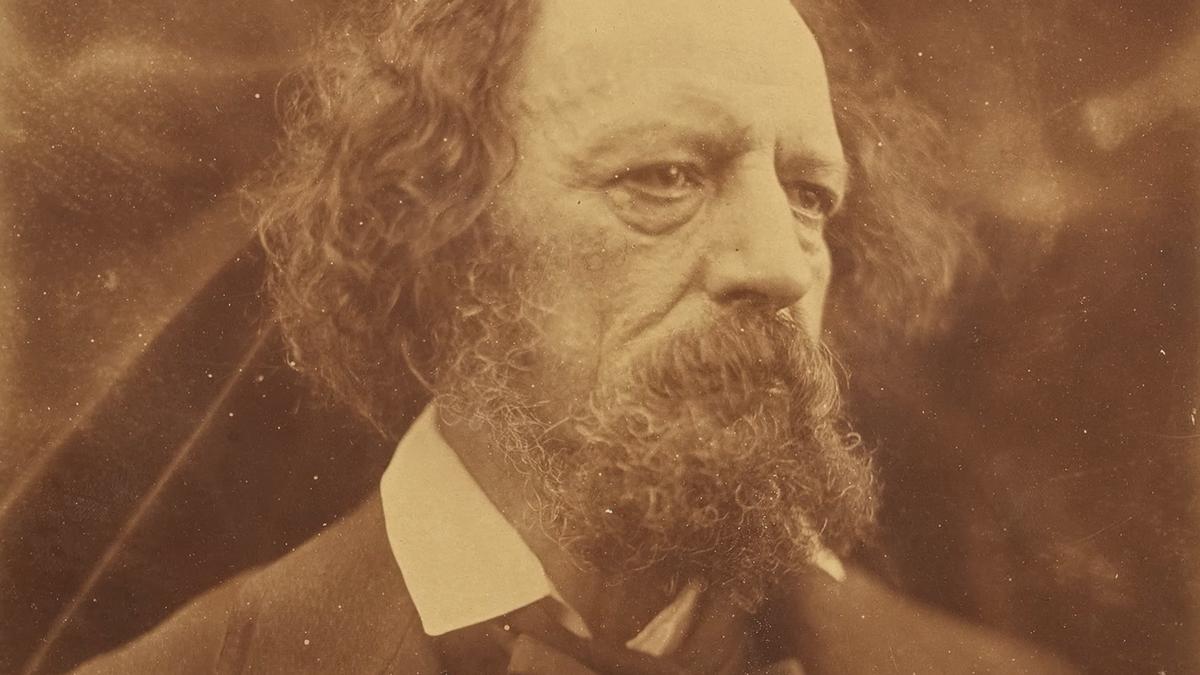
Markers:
720,455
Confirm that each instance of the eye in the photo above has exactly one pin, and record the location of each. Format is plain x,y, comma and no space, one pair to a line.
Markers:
662,181
810,201
657,198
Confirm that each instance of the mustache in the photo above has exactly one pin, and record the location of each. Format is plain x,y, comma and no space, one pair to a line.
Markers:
743,355
748,369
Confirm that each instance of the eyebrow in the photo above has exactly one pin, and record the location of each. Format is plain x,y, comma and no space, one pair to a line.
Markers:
834,172
715,139
710,131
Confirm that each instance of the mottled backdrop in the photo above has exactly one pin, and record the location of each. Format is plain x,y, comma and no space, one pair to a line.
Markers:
1040,456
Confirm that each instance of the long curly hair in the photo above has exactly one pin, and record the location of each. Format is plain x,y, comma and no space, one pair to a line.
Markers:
396,136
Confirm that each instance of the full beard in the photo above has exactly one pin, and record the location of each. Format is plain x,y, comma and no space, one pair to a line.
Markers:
720,455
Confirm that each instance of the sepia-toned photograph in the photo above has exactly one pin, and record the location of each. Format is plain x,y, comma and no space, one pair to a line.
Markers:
565,337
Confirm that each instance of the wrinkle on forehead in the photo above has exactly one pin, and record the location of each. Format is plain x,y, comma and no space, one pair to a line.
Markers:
586,43
597,64
765,24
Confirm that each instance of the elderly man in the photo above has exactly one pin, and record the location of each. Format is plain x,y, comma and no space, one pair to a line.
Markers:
596,232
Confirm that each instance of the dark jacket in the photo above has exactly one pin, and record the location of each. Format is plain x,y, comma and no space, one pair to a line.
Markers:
338,605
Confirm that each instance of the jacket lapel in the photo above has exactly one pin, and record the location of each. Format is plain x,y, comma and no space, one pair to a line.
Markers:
338,603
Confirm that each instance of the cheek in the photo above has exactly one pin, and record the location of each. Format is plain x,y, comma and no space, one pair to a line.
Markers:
573,290
812,305
608,295
589,282
599,282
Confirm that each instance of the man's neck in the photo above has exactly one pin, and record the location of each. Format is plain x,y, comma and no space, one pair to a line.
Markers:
614,609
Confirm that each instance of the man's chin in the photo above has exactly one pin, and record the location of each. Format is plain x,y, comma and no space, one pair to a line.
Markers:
738,505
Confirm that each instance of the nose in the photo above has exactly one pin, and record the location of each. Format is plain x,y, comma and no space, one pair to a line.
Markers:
760,252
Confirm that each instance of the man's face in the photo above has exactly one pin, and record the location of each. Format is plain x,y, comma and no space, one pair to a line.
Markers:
676,158
640,335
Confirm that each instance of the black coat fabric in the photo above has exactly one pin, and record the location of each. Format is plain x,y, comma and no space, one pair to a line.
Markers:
339,605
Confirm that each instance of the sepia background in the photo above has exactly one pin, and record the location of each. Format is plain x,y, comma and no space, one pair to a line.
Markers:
1041,454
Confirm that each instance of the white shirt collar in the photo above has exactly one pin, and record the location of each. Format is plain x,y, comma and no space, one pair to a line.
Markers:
462,562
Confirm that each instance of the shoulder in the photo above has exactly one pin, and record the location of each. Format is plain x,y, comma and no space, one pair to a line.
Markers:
861,625
337,599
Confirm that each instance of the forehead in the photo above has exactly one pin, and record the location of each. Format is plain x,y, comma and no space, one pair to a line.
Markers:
751,39
750,63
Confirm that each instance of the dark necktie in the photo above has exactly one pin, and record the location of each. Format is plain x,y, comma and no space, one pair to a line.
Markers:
530,641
